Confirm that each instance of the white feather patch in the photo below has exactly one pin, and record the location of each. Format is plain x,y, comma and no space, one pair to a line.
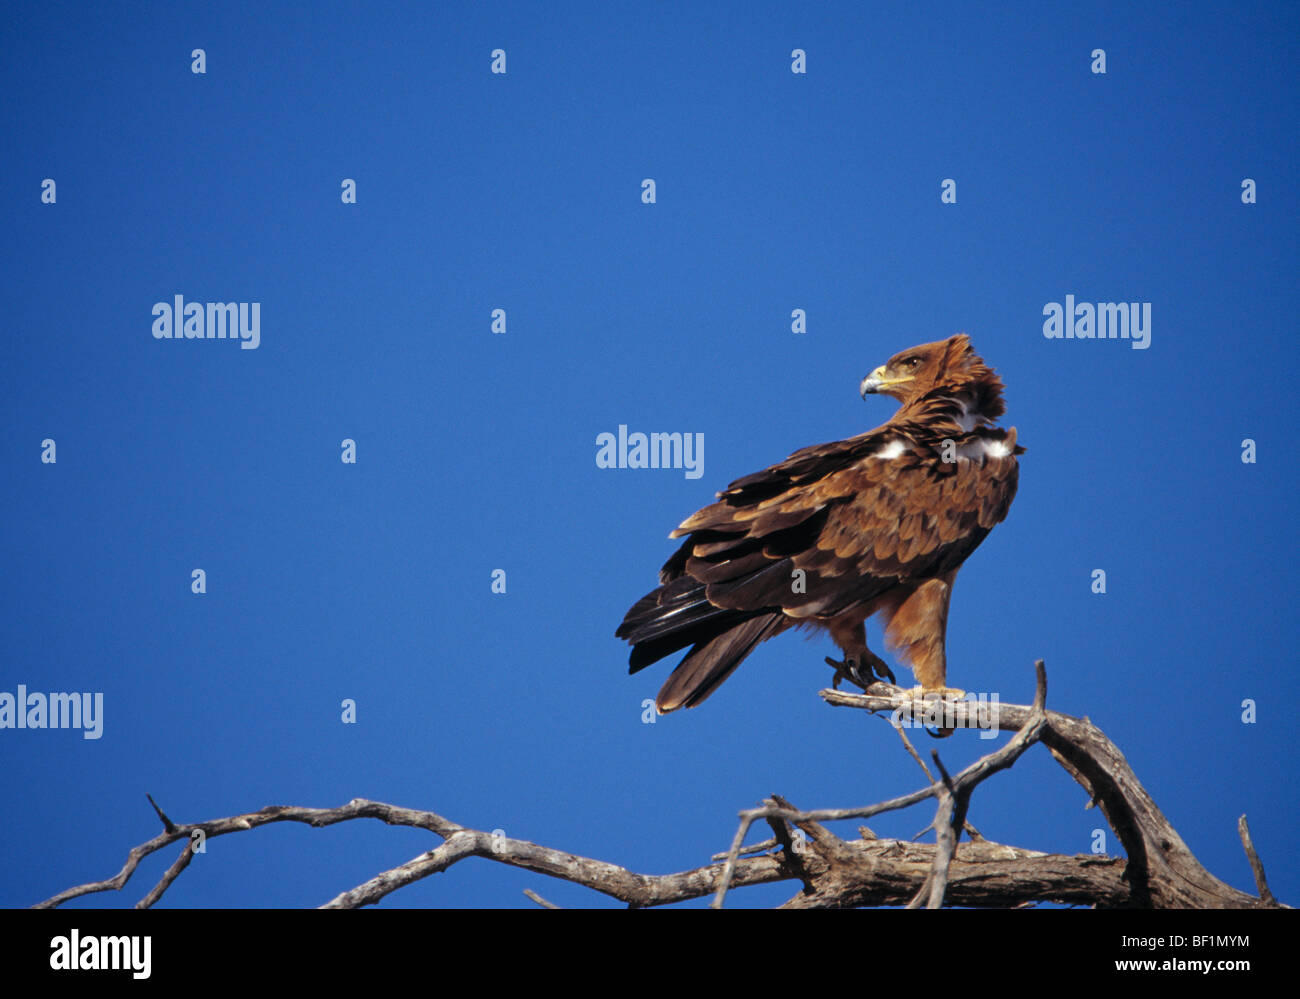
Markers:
965,418
983,448
808,609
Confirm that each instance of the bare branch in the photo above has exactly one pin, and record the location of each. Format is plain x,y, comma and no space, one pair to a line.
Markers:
168,824
181,862
833,873
1162,871
907,744
1256,867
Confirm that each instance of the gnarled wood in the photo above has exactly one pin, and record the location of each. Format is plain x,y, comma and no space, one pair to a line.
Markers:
1160,871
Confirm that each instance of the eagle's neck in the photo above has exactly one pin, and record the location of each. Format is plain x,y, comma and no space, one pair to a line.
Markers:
956,408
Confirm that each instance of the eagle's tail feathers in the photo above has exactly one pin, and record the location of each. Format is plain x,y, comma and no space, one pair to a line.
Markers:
712,661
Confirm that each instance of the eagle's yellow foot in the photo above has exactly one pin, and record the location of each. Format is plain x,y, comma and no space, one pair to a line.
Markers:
921,693
944,693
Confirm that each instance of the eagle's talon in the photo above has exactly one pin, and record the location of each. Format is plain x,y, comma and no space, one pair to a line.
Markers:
841,672
876,670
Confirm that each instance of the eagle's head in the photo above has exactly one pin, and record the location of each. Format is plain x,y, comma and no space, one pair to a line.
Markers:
948,368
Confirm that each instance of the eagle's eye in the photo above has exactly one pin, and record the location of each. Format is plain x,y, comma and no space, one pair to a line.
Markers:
911,362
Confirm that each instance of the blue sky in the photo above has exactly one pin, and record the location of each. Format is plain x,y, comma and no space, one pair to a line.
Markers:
476,451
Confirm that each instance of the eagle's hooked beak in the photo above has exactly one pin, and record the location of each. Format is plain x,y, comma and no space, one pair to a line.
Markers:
878,381
874,381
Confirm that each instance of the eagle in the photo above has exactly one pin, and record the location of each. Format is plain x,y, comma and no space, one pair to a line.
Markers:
877,524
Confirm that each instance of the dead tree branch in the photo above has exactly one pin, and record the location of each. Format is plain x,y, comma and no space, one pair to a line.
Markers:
1160,871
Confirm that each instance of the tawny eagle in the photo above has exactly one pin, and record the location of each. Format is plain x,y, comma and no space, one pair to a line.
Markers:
876,524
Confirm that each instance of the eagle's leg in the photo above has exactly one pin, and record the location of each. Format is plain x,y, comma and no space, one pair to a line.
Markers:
917,626
860,664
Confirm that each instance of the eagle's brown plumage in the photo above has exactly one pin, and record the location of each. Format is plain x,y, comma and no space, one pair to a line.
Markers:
878,524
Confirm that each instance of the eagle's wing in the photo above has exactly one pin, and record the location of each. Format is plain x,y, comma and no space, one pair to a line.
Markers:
858,517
